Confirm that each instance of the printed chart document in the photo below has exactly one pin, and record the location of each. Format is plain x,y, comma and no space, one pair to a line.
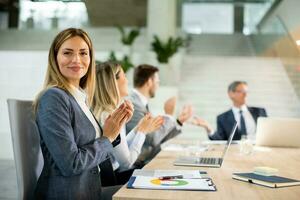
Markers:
162,180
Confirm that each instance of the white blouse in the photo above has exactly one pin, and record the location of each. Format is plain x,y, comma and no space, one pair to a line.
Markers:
129,148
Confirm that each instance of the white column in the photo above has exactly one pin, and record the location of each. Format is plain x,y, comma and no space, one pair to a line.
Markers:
161,19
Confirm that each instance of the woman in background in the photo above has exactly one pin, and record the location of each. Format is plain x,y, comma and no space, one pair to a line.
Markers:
72,142
111,88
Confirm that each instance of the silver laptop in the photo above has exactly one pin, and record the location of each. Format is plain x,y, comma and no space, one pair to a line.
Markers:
278,132
206,161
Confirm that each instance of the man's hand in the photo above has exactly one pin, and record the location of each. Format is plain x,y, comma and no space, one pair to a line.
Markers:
149,124
201,122
170,105
185,114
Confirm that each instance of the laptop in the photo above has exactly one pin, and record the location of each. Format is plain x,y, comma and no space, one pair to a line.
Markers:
278,132
206,161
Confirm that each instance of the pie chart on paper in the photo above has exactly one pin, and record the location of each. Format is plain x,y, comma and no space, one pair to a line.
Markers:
172,182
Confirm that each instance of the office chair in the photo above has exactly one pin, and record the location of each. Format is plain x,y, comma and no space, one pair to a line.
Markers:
26,146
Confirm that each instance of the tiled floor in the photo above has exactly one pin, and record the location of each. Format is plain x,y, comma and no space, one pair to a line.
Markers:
8,180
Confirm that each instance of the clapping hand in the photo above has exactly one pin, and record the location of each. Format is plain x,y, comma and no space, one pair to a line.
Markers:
129,106
170,105
149,124
116,120
185,114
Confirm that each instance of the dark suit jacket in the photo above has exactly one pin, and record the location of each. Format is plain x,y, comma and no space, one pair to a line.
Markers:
226,120
71,152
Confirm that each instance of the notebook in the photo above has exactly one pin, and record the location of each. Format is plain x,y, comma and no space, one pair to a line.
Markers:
206,161
269,181
171,180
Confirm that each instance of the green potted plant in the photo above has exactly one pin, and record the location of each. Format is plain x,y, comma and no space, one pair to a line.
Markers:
127,39
165,50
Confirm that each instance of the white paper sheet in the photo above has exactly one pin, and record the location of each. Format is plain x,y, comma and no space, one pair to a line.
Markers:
146,182
159,173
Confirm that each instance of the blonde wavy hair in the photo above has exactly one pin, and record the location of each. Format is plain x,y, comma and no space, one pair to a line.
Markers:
54,77
107,96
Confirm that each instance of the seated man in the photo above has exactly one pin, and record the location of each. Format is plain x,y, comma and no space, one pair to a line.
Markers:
245,116
146,82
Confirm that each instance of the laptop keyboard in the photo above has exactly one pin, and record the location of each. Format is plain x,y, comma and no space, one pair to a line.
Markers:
209,160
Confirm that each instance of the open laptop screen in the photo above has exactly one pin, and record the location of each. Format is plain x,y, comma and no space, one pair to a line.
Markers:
206,161
229,140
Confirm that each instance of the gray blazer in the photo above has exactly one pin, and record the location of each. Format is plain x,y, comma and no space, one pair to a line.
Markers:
153,140
71,152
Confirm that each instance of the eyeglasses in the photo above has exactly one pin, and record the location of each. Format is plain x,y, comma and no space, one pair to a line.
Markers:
241,91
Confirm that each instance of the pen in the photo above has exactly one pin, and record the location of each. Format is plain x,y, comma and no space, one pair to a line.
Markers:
170,177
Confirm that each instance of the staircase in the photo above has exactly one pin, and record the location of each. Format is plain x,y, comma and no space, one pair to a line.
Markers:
235,44
204,81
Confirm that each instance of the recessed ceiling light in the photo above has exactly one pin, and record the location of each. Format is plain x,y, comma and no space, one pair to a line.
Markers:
298,42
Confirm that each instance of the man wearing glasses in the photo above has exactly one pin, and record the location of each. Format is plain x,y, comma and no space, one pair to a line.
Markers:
245,116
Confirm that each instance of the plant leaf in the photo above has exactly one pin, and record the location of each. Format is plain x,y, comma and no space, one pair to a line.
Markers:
164,51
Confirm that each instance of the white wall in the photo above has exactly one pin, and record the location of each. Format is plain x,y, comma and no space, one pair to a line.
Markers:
21,77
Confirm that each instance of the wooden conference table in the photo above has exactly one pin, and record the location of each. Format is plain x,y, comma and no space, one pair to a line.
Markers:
286,160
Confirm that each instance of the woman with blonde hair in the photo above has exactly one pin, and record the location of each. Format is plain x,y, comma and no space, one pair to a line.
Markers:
111,88
72,142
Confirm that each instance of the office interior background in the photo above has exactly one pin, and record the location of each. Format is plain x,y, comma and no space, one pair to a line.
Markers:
253,40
